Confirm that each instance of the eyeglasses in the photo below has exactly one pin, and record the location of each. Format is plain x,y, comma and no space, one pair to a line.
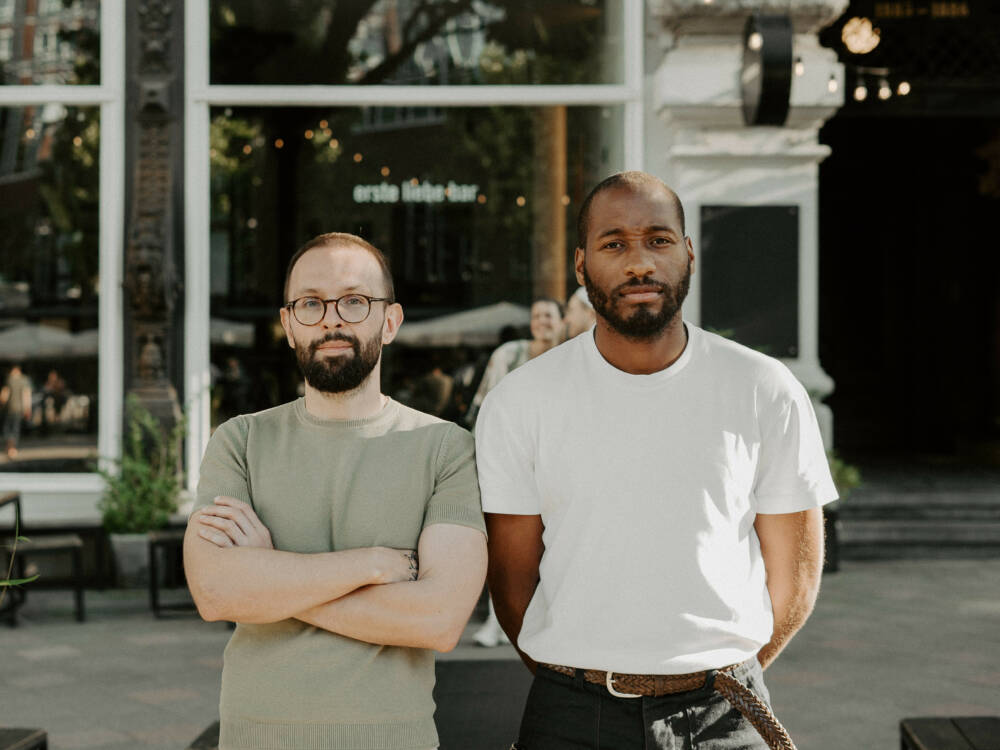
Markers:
352,308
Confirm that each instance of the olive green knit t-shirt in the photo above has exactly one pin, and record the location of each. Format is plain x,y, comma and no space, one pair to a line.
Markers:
328,485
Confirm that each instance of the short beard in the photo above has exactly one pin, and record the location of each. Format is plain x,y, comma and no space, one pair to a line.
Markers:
644,324
341,373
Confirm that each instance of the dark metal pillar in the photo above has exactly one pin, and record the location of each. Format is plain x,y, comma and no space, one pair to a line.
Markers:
154,180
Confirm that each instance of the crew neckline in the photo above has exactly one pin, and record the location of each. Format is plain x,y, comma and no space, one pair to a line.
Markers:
649,380
388,410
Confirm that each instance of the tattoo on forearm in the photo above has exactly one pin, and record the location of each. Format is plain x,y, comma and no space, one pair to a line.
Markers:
412,558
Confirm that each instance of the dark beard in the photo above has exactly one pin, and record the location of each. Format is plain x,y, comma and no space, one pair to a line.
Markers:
341,373
644,323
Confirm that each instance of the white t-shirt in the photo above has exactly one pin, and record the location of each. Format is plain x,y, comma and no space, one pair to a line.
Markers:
648,487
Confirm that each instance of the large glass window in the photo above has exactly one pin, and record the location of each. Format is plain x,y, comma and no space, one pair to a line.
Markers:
60,44
480,216
48,287
416,42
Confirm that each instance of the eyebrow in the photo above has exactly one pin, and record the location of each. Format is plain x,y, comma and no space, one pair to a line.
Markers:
651,228
313,292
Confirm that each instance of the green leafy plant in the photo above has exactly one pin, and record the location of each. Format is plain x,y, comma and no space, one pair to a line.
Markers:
142,493
845,476
8,581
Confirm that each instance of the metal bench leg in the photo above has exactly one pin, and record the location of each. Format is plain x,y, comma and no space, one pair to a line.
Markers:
154,581
78,584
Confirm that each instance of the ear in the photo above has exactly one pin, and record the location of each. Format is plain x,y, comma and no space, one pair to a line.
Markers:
690,249
393,320
578,258
286,323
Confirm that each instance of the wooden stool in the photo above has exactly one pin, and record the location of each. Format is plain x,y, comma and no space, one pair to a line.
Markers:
969,733
169,542
207,740
23,739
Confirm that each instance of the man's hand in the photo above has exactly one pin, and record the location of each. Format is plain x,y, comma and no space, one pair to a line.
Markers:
233,523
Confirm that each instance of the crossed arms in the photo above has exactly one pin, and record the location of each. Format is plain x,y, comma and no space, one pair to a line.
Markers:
791,545
374,594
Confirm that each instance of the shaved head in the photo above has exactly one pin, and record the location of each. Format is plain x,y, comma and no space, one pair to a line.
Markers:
626,181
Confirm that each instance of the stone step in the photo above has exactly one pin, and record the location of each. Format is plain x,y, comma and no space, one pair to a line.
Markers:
862,539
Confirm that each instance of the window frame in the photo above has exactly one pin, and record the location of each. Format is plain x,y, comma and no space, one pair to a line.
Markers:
109,97
201,96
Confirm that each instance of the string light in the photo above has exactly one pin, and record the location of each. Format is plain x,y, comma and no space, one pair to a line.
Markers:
860,92
279,143
385,171
520,200
247,149
309,135
904,88
832,84
884,91
800,67
358,157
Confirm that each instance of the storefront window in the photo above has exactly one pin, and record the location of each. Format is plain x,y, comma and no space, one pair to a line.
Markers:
58,44
480,216
410,42
48,287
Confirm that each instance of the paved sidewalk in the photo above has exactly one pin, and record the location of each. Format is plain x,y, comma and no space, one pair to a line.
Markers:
887,640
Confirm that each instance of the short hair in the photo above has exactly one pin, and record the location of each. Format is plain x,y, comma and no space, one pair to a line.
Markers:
630,181
336,238
557,303
580,295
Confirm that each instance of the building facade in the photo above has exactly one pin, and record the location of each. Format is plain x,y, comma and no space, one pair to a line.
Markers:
161,160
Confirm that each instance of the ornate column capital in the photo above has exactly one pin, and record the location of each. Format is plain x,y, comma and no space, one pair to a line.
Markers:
728,16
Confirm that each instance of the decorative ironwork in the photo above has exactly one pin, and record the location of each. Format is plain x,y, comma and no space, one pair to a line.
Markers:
151,283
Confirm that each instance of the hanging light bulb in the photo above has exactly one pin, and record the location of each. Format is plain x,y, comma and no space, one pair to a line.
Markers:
884,90
755,41
800,67
904,88
832,84
860,92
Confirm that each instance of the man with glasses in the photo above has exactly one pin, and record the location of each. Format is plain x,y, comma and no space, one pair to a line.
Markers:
311,518
652,494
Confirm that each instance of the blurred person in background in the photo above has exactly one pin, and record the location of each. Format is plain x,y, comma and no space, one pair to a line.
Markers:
15,404
546,332
580,314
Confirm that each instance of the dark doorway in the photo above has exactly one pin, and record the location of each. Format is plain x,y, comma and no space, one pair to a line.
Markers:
910,286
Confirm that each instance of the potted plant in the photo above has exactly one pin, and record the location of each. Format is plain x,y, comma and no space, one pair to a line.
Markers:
846,477
141,491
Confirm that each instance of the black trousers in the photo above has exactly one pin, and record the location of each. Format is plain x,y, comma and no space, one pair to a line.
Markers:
567,713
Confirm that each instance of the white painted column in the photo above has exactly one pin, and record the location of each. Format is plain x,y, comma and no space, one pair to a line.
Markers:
703,149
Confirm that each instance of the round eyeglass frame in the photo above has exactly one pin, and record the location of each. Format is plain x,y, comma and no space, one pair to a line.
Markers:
291,306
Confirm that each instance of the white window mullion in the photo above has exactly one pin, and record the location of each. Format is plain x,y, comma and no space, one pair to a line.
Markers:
634,115
415,96
111,231
197,258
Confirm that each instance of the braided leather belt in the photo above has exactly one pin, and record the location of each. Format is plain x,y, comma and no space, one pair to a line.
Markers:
635,685
654,685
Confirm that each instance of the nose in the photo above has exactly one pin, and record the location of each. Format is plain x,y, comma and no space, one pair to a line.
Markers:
639,263
331,318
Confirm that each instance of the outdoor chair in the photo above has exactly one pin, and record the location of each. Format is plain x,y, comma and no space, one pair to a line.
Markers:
37,545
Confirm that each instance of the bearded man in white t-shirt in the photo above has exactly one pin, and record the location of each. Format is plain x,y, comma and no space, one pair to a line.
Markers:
653,498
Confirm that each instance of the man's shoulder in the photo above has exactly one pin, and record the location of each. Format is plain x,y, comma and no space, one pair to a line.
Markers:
265,419
751,366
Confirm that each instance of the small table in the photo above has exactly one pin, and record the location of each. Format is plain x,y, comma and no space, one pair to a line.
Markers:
957,733
169,542
23,739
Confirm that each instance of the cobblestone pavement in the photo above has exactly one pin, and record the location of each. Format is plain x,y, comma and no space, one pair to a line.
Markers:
888,640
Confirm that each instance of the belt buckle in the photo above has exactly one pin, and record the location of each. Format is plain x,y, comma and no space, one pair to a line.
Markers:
609,684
